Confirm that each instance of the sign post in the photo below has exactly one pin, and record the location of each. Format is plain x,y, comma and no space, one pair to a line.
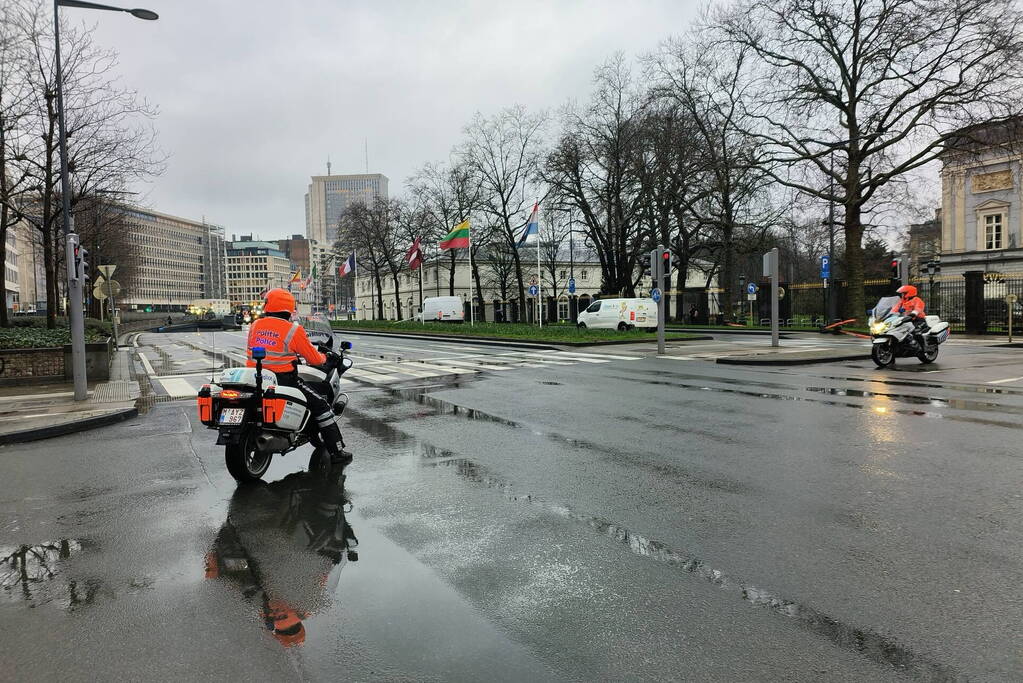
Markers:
1011,300
657,272
771,271
751,296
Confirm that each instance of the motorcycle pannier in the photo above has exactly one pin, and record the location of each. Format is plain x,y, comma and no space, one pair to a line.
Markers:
284,408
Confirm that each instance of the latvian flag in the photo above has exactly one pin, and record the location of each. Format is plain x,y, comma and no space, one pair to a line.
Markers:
458,238
347,267
414,256
532,232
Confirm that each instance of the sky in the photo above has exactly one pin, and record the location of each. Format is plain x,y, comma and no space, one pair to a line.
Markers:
253,96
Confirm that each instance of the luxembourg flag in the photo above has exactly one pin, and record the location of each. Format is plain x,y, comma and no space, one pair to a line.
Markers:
347,267
532,232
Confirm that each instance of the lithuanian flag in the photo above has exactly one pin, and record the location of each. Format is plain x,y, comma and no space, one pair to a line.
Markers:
458,238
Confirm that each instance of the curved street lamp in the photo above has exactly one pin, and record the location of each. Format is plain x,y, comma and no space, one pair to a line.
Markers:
75,283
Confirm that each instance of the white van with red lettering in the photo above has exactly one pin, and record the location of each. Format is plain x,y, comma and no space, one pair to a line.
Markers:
619,314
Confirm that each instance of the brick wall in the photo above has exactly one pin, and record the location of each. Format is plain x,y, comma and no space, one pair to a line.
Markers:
25,363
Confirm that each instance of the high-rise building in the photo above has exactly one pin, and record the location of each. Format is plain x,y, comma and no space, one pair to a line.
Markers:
252,268
12,280
175,260
330,195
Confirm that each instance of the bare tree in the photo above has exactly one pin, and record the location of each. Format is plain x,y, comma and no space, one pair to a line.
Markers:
881,85
591,169
361,230
110,141
504,154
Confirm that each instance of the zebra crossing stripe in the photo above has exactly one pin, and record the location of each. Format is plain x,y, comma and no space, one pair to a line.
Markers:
457,371
570,354
480,366
177,387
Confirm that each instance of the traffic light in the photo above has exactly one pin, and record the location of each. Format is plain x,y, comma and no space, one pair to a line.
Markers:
652,269
900,270
82,264
666,264
896,268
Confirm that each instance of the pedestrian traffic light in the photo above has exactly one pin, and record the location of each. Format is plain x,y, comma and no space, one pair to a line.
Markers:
666,263
900,270
82,263
895,269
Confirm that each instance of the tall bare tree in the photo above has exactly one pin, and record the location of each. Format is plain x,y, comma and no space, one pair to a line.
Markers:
110,140
880,85
504,153
592,169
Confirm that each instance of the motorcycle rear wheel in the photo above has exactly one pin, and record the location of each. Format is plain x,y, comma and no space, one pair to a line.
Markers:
883,355
929,354
245,462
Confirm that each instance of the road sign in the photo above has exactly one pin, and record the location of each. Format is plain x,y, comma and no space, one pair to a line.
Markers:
571,285
107,271
751,297
655,294
1010,298
104,289
752,289
825,267
533,290
781,292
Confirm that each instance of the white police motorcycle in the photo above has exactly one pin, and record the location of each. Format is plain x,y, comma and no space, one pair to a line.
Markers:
255,417
896,336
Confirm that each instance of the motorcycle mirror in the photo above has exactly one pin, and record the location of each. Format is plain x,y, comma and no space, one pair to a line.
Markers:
347,362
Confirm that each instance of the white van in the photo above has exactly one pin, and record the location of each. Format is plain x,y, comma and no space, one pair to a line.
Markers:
446,309
619,314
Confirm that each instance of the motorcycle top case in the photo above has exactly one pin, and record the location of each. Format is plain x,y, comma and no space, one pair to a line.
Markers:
285,408
245,377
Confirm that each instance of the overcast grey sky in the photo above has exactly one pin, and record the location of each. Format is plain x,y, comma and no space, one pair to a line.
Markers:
254,95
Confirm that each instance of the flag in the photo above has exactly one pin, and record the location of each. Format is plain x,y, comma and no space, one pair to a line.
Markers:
309,280
532,232
458,238
414,256
297,277
347,267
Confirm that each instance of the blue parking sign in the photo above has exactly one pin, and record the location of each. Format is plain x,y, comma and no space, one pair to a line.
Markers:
825,267
571,285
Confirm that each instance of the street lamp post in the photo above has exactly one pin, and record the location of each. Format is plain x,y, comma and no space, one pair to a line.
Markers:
75,279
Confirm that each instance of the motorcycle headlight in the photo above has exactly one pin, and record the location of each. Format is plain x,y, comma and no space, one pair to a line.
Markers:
878,327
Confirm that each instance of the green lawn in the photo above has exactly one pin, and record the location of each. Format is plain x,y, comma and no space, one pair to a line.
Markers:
549,333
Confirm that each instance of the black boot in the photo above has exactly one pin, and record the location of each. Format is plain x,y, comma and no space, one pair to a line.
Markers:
335,444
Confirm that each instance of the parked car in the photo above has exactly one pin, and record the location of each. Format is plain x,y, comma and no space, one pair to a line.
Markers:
619,314
446,309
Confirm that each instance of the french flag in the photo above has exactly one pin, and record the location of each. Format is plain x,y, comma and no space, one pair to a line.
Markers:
532,232
347,267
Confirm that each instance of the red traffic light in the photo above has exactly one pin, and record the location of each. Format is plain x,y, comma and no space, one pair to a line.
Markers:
665,255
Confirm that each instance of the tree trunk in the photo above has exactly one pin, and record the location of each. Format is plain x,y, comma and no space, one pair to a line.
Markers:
479,292
519,282
451,273
380,295
397,293
855,306
728,271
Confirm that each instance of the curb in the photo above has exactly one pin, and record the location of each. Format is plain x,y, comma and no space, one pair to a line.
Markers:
68,427
738,330
504,341
755,360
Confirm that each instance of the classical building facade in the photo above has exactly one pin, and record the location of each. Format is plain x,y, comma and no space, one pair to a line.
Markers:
982,197
252,268
329,195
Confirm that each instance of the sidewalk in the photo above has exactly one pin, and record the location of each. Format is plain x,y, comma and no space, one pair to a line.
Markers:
31,413
783,355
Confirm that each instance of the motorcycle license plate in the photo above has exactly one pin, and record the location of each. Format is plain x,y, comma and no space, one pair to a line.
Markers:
232,416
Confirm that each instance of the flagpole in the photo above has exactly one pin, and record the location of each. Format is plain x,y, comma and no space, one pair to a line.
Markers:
422,266
539,272
472,309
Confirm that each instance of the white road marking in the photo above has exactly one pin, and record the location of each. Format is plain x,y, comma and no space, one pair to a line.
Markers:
146,364
587,354
444,368
176,387
1002,381
370,376
471,364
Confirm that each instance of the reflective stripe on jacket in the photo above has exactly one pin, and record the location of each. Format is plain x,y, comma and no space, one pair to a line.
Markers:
284,342
914,306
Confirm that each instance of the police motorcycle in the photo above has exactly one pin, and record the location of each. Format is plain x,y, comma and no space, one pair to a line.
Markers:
255,417
283,546
895,335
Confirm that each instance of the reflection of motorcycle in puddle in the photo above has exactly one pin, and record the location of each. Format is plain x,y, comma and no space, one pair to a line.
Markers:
284,543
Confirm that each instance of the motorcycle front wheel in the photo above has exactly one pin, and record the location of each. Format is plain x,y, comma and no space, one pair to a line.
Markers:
319,462
245,462
883,354
929,354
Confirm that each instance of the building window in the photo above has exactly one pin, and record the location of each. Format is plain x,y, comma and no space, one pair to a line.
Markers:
993,230
582,275
561,274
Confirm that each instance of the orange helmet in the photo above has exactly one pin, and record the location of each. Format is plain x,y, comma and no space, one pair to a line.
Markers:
279,301
907,291
284,622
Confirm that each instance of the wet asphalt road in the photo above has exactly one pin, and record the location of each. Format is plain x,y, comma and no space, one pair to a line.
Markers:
647,518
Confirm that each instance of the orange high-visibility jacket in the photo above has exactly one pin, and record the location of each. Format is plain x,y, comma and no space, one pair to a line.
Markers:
914,306
284,342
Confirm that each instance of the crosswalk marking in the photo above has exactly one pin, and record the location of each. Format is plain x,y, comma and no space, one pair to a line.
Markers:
580,354
177,387
371,376
480,365
444,368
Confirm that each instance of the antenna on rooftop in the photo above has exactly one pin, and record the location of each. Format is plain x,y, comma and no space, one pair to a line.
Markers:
328,164
366,143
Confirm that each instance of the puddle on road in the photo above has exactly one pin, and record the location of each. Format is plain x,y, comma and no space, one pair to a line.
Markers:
35,575
873,645
841,404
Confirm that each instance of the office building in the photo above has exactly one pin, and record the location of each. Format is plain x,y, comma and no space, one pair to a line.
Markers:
252,268
330,195
12,279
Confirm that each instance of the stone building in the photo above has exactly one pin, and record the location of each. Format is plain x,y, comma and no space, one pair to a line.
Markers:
982,197
253,267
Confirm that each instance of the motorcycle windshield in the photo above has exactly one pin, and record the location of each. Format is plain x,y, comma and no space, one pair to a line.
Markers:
884,307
